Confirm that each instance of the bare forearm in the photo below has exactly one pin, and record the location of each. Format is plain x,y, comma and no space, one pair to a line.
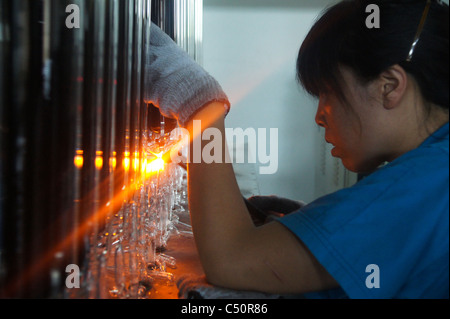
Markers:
234,253
218,211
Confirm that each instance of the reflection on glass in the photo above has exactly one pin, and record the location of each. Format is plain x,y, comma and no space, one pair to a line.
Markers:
140,196
78,159
99,160
113,161
129,258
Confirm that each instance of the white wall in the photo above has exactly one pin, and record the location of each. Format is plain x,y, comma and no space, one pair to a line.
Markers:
250,47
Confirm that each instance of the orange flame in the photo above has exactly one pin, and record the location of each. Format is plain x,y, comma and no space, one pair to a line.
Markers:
78,159
156,165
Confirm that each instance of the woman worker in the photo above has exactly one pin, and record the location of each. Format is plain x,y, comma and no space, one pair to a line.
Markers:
383,98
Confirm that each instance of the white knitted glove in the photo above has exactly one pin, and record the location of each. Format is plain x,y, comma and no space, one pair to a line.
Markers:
178,85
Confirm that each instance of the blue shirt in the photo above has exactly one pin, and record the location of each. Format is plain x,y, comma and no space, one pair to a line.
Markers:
387,236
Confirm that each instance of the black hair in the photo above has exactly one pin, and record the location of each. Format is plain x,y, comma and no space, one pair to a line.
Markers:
340,37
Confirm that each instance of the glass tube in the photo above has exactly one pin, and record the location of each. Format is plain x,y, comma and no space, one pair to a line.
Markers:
77,181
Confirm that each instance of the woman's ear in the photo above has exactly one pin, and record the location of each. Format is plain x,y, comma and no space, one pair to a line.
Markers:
393,84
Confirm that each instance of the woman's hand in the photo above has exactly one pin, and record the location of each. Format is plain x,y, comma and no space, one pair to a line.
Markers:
264,209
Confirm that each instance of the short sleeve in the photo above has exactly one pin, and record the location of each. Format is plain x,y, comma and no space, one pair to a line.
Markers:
379,236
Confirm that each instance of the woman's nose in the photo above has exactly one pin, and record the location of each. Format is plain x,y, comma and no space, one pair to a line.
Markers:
320,118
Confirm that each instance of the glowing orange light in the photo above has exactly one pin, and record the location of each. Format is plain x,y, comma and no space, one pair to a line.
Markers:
113,161
77,234
126,161
136,161
144,165
99,160
78,159
74,236
155,165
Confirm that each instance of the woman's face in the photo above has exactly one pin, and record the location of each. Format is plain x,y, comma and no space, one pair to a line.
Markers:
355,130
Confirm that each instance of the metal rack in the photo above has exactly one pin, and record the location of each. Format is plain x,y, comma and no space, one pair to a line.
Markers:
72,115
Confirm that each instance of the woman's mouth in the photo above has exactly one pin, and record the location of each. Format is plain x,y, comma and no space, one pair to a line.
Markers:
334,152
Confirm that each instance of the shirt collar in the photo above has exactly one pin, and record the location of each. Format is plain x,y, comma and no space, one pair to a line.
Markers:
440,135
